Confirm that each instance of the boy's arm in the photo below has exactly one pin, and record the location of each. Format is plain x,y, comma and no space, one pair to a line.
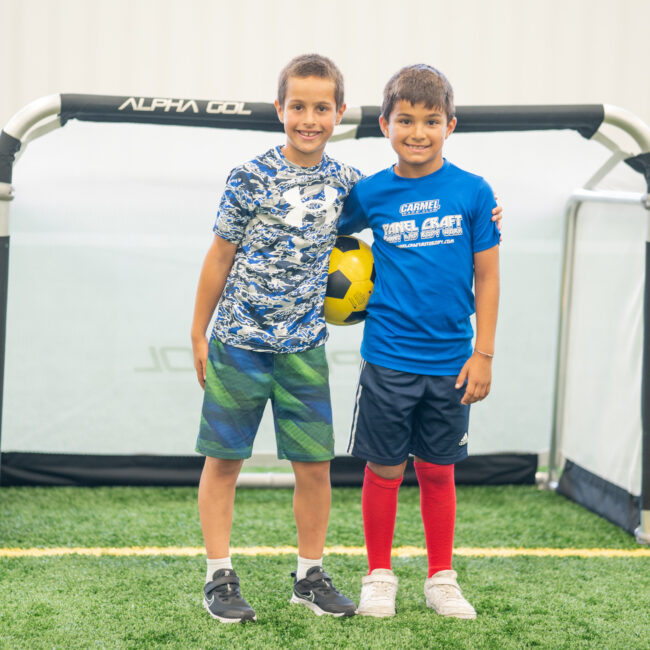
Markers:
353,218
216,267
478,368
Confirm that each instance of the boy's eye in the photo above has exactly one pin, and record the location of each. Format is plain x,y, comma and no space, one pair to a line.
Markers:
404,121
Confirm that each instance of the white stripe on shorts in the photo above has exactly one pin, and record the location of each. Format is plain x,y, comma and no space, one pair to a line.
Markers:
355,415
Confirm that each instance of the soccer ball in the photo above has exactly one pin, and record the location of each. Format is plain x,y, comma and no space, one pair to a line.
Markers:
350,281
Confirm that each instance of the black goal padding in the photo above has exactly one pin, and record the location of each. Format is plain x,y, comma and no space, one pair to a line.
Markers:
222,114
9,147
641,164
28,468
585,119
600,496
645,385
488,469
94,470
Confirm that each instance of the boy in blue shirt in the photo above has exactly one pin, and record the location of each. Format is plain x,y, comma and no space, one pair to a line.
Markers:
267,270
433,238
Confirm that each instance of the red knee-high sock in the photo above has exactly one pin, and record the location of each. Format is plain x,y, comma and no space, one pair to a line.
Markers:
438,506
379,507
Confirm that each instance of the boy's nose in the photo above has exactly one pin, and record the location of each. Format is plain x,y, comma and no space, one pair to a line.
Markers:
309,117
418,131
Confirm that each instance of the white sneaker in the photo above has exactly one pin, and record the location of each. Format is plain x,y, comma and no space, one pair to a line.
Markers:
378,590
444,596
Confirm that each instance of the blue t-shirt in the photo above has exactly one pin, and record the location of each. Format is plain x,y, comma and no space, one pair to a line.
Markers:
426,231
283,217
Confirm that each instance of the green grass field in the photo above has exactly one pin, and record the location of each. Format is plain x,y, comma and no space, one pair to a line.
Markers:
112,601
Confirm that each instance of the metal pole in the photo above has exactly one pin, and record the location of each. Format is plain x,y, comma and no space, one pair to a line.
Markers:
630,123
568,249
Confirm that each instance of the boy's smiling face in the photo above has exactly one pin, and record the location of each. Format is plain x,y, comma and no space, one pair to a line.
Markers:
309,116
417,134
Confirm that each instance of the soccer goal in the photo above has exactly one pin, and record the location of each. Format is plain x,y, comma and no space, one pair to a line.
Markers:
110,225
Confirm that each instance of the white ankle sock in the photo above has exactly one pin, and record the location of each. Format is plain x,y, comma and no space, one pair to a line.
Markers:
214,565
304,565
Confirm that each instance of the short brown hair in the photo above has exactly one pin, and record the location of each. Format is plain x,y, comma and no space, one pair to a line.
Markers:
311,65
419,83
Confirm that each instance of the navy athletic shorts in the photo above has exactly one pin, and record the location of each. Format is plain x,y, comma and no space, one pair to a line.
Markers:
400,413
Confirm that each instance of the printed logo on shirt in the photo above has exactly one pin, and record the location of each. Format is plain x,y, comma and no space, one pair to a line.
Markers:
448,226
312,205
397,231
419,207
436,230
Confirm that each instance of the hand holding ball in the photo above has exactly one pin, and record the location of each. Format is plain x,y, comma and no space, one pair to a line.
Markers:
350,281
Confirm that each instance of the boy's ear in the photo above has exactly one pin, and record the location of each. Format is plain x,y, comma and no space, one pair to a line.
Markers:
279,110
339,114
383,125
451,125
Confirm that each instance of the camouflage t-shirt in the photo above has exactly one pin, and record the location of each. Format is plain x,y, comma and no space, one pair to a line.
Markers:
284,219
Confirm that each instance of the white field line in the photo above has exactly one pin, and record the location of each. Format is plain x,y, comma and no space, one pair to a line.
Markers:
401,551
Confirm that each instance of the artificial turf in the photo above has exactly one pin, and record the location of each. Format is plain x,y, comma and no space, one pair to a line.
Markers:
155,602
486,516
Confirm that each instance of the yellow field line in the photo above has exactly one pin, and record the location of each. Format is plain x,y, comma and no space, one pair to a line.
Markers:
401,551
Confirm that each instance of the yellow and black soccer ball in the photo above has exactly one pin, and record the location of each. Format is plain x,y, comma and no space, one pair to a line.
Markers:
350,281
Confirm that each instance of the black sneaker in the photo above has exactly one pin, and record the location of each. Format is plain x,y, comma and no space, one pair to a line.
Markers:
317,592
222,598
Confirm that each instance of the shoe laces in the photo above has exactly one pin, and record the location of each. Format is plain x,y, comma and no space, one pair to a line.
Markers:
381,589
450,591
324,585
227,592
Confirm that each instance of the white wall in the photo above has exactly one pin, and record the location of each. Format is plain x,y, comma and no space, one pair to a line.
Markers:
493,51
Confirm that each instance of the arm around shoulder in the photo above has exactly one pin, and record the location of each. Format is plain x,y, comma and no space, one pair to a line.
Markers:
214,273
